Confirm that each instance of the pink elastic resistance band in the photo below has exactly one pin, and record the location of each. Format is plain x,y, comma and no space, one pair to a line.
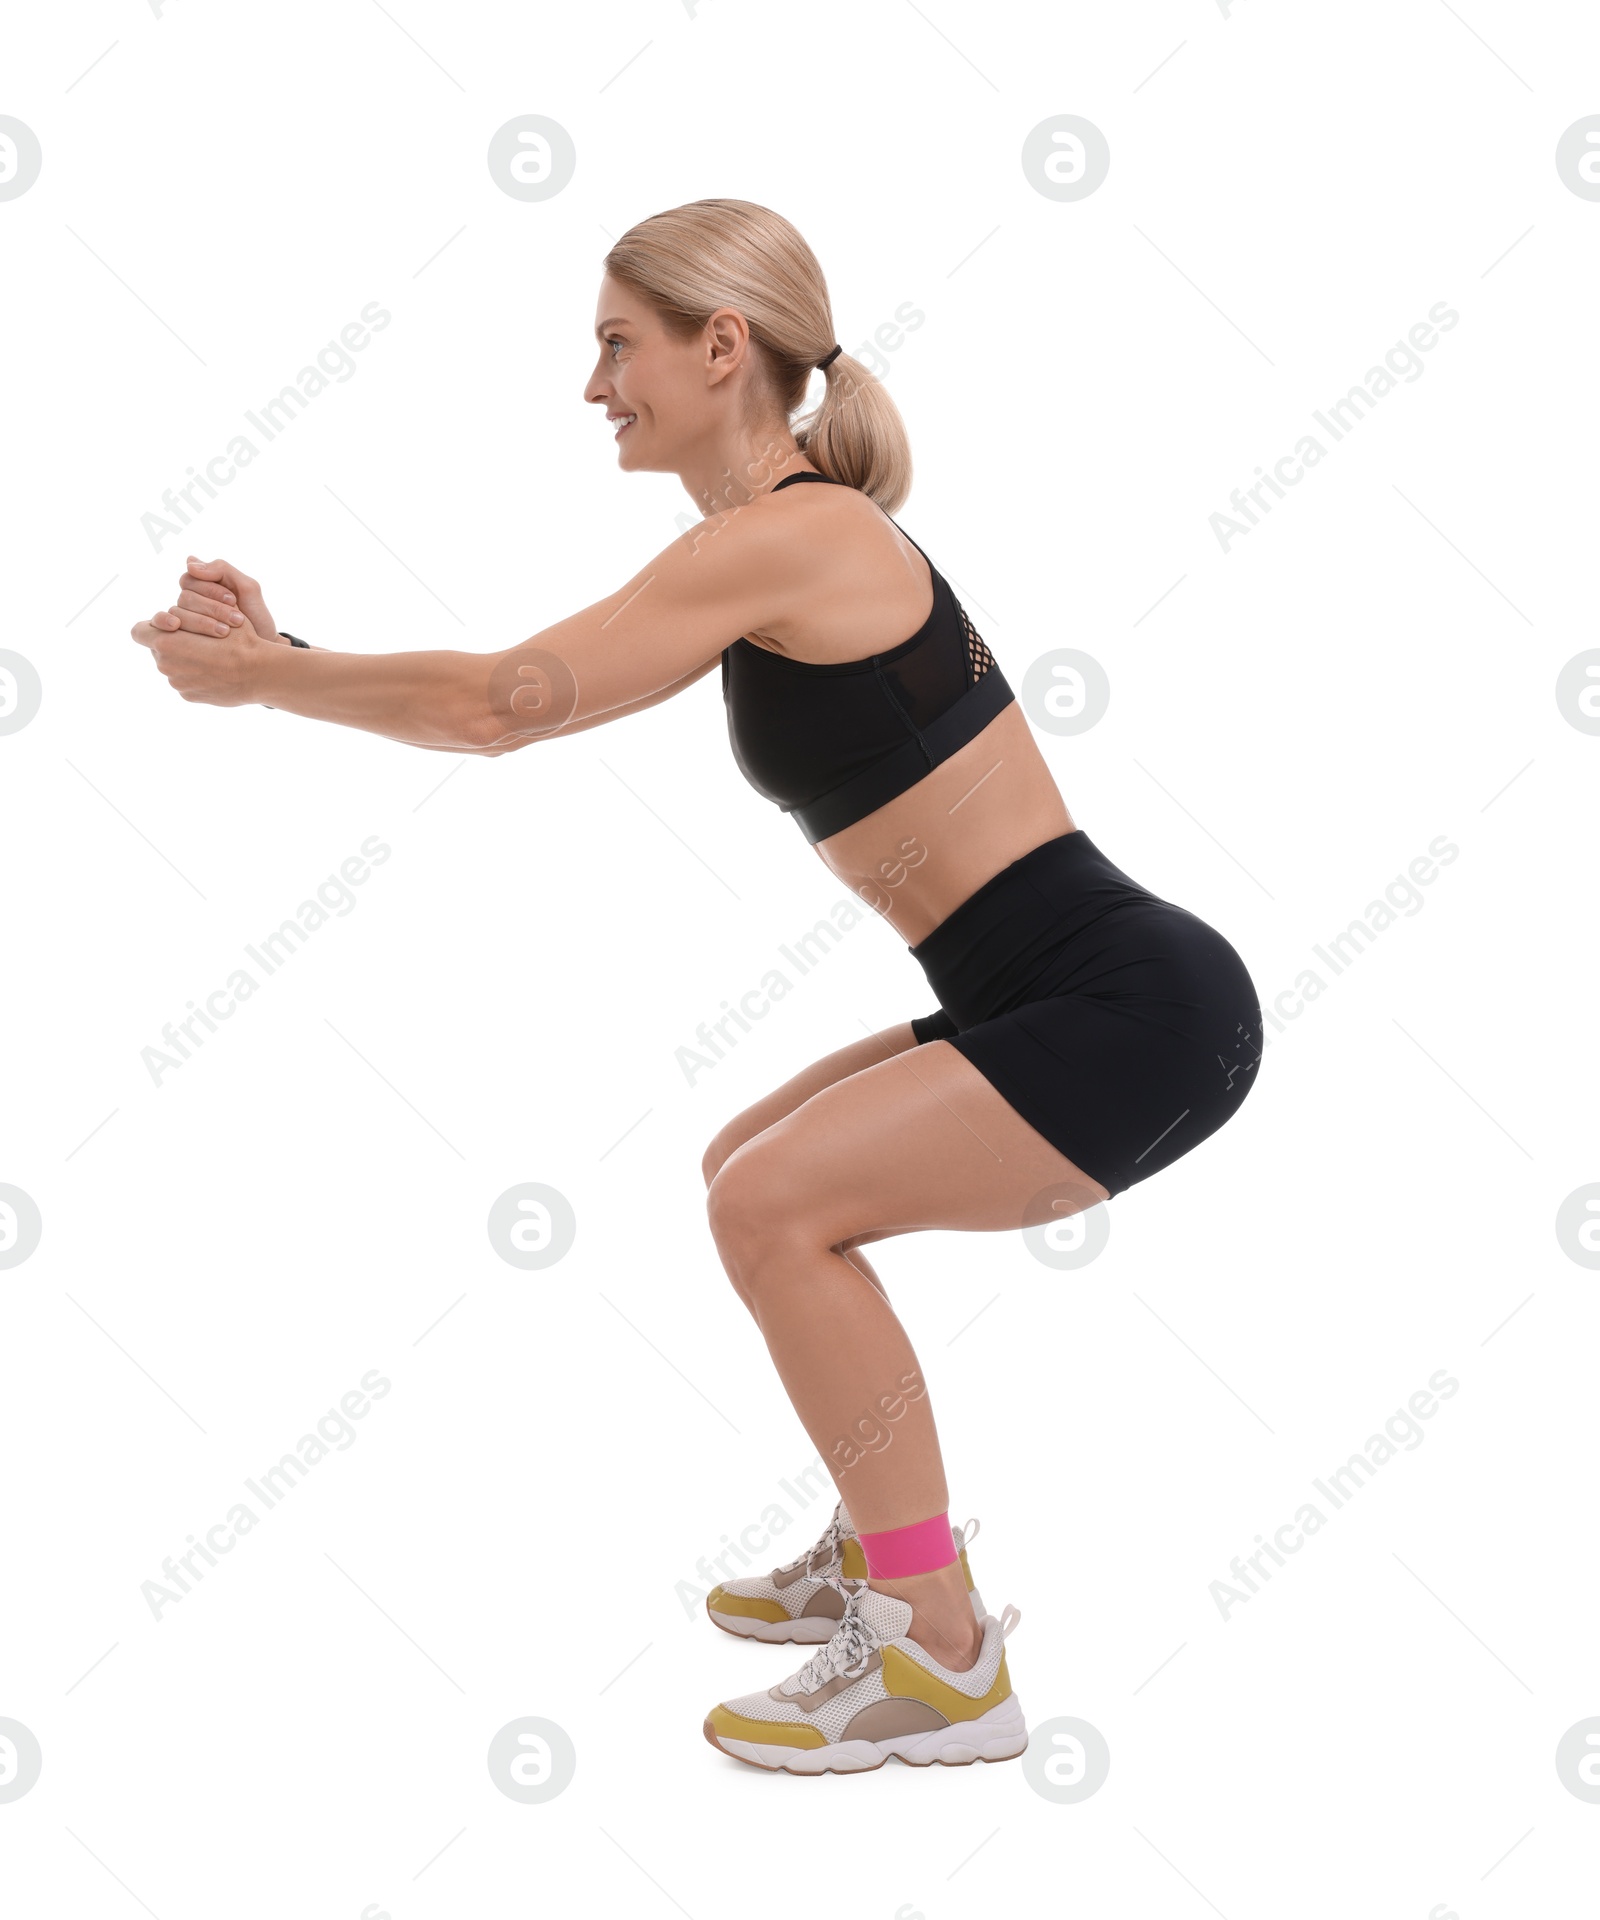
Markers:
902,1551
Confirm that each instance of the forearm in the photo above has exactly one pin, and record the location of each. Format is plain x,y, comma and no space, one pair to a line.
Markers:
474,711
429,699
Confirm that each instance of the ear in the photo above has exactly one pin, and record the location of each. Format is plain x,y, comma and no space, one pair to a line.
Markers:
727,338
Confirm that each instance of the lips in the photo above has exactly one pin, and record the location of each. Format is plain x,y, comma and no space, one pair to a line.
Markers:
624,421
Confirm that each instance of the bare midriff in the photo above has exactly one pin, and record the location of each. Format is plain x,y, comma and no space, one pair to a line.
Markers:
915,860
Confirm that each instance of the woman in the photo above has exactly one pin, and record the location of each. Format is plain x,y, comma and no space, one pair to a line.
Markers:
1087,1032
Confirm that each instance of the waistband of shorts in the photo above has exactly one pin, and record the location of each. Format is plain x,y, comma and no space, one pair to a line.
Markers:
1074,845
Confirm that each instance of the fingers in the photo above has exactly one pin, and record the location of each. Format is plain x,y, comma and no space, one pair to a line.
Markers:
217,577
160,626
171,620
211,589
201,614
223,575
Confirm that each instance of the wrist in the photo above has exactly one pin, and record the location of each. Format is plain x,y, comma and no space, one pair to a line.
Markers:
269,672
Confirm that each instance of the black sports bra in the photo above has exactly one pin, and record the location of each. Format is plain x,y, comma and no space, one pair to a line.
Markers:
832,742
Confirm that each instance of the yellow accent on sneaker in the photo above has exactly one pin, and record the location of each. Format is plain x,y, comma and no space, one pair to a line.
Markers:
966,1571
719,1600
767,1733
908,1679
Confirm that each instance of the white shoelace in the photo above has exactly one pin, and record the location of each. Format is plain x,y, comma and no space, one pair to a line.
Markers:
828,1550
853,1640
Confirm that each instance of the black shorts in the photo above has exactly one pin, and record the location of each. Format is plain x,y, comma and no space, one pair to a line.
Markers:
1121,1027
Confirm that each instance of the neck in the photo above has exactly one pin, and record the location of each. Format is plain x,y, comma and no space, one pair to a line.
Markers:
731,473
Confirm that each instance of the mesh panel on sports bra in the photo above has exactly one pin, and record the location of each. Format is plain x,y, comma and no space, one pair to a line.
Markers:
933,675
979,658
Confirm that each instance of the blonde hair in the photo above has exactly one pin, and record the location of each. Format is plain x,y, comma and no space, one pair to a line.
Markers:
691,260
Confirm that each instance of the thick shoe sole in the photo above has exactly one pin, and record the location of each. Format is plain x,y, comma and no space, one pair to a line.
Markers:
1000,1734
803,1632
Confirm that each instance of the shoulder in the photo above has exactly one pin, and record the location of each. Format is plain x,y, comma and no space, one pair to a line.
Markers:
789,511
779,537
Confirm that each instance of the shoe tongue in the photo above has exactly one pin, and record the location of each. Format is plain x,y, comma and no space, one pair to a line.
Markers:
887,1616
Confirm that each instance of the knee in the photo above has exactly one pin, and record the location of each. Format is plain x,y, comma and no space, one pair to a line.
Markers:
757,1216
729,1139
715,1156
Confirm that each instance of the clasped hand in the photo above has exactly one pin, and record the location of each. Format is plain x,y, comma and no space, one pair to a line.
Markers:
208,642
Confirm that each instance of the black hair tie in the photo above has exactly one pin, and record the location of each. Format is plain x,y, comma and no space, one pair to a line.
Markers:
828,359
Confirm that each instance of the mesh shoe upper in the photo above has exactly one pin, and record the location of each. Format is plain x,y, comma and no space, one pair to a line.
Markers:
868,1660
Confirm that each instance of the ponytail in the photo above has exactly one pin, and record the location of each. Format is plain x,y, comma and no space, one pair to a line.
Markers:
855,434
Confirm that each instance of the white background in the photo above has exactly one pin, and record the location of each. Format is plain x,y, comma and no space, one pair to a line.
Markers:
226,1253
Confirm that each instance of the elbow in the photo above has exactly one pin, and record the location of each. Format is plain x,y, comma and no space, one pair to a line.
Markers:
483,732
489,734
527,695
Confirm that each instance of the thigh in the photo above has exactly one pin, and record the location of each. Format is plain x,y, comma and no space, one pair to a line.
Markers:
1123,1084
915,1143
869,1051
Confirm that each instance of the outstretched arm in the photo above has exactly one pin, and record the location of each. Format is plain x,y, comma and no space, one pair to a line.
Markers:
575,726
657,633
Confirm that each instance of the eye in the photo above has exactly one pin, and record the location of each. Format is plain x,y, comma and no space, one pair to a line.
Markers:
613,341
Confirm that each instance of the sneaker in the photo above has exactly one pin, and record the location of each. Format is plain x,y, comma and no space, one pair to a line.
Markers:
797,1602
872,1694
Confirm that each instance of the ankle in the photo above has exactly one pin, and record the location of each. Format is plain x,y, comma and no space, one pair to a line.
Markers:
942,1620
953,1641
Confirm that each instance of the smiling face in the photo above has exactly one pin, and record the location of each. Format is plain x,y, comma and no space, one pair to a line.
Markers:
668,399
651,382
